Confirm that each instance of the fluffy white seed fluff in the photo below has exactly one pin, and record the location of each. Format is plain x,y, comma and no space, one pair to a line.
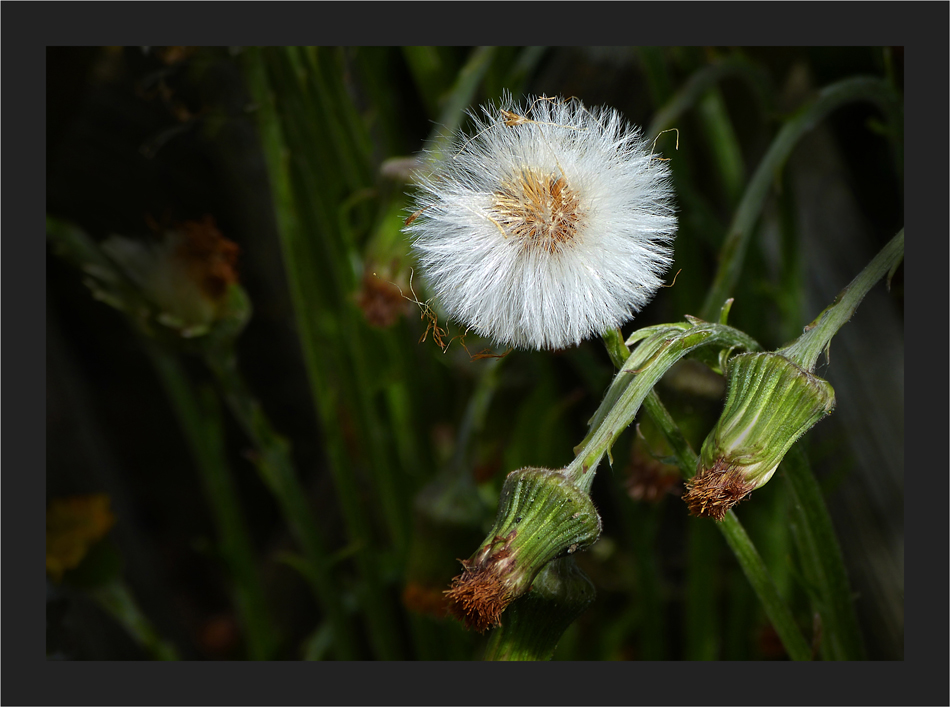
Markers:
547,224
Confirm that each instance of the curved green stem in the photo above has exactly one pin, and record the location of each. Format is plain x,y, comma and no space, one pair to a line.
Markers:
817,337
732,254
703,80
662,346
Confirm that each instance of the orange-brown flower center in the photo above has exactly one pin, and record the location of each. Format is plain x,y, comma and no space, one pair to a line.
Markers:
540,210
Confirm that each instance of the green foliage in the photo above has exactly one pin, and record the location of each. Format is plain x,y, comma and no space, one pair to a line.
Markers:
347,426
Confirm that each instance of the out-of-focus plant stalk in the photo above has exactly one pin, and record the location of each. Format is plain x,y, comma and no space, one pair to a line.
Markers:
459,97
702,81
448,513
201,425
732,254
535,622
277,470
116,599
702,91
319,265
822,563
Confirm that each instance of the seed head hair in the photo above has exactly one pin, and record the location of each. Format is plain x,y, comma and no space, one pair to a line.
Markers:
547,224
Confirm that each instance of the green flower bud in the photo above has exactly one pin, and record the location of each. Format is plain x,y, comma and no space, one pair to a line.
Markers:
770,404
535,622
541,516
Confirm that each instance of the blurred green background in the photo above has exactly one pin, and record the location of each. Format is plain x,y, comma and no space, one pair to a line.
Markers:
300,157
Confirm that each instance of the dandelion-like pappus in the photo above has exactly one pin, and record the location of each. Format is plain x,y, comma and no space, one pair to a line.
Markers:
548,224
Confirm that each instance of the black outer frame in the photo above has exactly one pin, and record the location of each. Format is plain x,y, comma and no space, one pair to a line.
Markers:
919,27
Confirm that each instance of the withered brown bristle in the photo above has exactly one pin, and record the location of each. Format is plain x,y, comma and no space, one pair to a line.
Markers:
211,256
712,492
478,596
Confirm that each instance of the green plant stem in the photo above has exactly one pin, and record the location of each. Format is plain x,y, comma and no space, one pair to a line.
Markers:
320,270
279,475
822,562
703,624
659,83
474,418
116,599
663,346
703,80
654,622
699,216
200,422
742,612
817,337
320,251
758,575
740,543
522,68
388,480
732,254
721,137
459,97
432,73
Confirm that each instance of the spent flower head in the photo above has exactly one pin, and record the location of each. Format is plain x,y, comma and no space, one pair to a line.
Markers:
542,515
548,224
185,274
771,402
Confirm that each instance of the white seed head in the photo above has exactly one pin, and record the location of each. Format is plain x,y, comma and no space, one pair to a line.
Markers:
548,224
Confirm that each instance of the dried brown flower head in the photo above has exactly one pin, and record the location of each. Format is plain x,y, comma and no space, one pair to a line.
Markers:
209,256
480,594
713,491
382,301
541,516
649,479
